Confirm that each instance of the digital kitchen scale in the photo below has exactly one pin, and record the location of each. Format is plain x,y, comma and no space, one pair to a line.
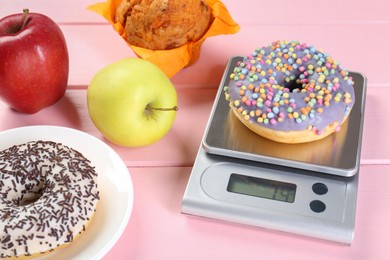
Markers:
307,189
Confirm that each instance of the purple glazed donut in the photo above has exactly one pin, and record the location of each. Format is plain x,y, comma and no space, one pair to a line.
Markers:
290,92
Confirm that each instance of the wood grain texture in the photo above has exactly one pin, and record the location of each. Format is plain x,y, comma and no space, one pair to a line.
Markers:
156,224
356,33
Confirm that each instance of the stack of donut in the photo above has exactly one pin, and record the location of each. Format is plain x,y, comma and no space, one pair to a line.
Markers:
290,92
48,194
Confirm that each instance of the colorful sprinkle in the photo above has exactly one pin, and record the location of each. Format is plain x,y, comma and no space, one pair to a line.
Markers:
288,82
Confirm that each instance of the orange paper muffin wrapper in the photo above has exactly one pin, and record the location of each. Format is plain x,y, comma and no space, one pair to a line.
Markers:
173,60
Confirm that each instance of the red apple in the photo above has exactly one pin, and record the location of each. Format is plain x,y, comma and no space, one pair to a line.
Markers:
34,62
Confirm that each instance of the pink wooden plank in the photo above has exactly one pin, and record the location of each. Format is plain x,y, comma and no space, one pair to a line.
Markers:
376,142
359,43
251,12
90,49
287,12
69,11
158,230
180,146
358,48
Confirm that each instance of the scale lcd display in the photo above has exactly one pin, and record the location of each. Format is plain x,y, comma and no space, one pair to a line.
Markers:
262,188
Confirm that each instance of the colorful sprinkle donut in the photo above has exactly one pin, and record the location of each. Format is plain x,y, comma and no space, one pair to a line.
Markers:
290,92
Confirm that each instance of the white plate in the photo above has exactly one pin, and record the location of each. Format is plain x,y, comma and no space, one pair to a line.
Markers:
115,187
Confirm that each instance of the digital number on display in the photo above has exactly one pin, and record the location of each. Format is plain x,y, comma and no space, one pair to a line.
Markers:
262,188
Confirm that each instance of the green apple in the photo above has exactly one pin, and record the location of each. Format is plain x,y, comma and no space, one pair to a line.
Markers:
132,102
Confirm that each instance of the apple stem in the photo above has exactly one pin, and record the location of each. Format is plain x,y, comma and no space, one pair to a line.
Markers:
24,18
175,108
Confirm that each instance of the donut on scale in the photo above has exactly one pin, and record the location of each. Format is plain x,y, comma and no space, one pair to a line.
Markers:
290,92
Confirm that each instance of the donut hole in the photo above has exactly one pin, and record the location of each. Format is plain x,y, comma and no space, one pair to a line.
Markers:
29,198
294,86
31,193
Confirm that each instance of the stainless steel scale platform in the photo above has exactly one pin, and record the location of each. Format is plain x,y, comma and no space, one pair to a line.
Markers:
307,189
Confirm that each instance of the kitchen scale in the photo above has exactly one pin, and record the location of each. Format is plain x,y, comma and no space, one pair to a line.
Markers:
307,189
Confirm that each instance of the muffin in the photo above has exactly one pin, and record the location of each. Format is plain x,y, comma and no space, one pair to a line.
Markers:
163,24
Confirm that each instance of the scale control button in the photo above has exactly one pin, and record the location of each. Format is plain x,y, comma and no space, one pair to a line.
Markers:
317,206
320,188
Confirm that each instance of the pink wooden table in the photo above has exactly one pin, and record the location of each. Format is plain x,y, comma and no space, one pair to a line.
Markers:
357,33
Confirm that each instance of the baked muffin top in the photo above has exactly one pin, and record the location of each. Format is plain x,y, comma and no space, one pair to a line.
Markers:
163,24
